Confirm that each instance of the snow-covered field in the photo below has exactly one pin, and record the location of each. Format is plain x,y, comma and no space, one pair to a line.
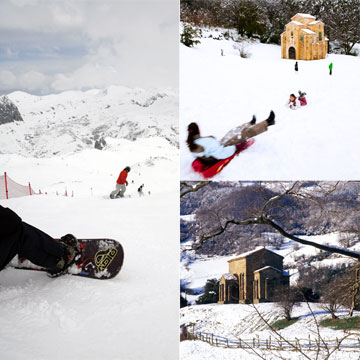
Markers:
195,350
318,141
238,321
133,316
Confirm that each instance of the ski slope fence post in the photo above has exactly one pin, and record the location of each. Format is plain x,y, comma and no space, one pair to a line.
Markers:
6,188
30,189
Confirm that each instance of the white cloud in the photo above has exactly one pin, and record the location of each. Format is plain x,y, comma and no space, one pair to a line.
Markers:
7,80
33,80
125,42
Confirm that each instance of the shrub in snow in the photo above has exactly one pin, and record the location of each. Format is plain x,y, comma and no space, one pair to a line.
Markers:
242,50
189,35
211,294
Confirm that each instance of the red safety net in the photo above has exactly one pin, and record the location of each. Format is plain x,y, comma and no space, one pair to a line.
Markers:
11,189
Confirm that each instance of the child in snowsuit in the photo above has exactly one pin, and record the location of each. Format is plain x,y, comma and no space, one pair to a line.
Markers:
295,103
330,68
210,150
121,184
26,241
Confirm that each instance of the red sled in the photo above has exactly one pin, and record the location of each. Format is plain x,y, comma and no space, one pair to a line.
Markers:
209,171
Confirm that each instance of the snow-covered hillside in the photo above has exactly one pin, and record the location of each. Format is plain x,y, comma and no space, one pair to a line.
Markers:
318,141
234,321
75,120
135,315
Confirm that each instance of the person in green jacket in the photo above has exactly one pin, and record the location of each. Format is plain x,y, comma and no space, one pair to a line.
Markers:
330,68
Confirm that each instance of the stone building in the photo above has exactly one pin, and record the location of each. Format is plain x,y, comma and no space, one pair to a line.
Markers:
304,39
253,277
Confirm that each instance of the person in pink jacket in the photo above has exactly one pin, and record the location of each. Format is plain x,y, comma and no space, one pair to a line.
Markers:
295,103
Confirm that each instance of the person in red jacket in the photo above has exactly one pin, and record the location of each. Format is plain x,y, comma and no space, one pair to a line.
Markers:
121,184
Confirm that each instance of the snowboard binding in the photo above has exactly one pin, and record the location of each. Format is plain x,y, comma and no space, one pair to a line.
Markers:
71,254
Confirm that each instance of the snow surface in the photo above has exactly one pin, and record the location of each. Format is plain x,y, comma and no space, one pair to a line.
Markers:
234,321
134,315
319,141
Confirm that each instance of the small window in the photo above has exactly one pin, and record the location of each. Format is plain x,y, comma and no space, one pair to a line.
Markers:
320,35
302,37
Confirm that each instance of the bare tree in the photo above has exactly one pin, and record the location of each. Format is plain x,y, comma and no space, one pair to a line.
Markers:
331,301
186,188
287,298
274,212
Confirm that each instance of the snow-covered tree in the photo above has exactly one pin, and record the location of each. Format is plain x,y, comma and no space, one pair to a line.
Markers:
189,36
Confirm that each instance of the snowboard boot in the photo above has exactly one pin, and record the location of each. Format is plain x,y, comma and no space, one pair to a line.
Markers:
71,252
301,94
271,119
253,120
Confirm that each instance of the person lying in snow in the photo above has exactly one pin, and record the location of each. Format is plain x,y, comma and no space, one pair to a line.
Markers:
26,241
210,150
295,103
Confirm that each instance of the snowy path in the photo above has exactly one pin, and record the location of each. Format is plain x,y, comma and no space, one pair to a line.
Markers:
319,141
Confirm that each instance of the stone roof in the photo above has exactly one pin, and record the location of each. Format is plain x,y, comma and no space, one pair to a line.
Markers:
297,22
268,267
308,31
229,276
306,15
246,254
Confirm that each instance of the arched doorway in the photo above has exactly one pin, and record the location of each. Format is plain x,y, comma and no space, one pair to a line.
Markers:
292,53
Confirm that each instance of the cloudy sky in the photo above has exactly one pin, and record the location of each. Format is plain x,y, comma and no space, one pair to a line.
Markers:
48,46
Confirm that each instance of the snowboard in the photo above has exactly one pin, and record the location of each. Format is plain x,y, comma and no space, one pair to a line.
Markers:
116,197
98,259
210,171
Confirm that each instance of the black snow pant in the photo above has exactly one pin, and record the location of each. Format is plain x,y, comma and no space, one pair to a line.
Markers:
26,241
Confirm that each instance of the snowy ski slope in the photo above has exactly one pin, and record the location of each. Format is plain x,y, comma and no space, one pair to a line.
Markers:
134,315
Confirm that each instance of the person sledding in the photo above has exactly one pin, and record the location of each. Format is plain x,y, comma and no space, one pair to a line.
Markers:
209,150
28,242
295,103
121,184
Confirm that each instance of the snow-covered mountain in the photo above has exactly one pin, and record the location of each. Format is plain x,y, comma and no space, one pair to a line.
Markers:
73,120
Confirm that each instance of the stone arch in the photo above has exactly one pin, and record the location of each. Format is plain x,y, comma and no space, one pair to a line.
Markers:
292,53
